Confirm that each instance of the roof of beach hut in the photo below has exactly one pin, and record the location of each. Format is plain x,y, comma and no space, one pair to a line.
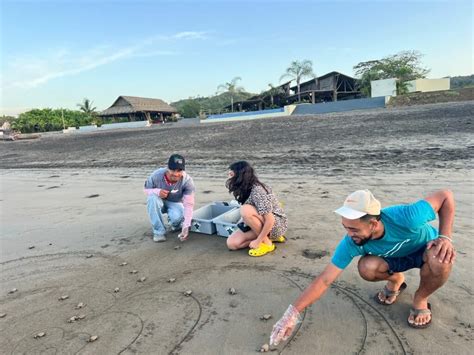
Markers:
131,104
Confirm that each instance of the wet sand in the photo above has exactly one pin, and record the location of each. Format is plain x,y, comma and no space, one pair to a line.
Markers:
78,201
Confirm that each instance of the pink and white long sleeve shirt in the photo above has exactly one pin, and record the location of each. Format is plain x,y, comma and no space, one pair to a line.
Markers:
182,191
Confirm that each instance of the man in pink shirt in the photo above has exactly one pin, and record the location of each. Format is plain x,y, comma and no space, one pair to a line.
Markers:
170,190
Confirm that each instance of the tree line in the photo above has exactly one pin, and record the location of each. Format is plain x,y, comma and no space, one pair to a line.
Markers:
48,119
404,66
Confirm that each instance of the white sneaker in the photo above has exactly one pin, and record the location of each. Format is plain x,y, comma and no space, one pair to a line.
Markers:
159,238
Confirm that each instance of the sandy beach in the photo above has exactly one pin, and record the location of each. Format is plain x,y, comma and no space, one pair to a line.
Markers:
73,211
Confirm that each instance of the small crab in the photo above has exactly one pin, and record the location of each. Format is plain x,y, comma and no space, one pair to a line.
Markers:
93,338
39,335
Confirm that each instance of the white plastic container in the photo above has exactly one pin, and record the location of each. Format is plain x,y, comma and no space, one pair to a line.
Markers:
226,223
203,217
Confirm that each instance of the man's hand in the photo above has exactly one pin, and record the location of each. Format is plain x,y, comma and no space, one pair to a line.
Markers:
443,249
164,194
184,234
285,326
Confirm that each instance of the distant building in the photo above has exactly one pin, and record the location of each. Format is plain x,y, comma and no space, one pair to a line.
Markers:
332,86
388,87
139,109
425,85
275,97
383,87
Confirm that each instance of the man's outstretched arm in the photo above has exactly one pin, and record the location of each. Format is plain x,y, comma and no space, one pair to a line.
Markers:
286,325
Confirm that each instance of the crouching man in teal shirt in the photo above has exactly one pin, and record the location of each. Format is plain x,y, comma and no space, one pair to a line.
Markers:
389,241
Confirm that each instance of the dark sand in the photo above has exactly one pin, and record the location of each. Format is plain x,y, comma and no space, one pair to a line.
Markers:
75,196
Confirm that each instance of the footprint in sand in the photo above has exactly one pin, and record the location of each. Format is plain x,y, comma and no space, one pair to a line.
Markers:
314,254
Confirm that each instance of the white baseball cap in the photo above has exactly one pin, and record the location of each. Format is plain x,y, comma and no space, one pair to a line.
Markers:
358,204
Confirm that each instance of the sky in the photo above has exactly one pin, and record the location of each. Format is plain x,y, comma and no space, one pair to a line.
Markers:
56,53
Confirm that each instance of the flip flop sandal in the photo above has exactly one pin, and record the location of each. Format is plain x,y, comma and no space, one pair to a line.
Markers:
416,312
388,293
280,239
262,250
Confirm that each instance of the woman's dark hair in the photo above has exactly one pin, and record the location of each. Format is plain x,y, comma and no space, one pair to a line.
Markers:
240,185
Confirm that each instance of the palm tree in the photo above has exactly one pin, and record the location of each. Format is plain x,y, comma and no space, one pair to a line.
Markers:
298,70
274,91
86,107
232,89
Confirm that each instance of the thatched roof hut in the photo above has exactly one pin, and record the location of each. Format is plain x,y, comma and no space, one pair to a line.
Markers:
139,109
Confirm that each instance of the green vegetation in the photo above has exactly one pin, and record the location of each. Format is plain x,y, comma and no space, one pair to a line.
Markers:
6,118
404,66
232,89
192,107
47,119
458,82
86,107
298,70
272,92
44,120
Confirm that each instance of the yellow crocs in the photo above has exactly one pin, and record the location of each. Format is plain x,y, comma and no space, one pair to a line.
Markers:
280,239
262,250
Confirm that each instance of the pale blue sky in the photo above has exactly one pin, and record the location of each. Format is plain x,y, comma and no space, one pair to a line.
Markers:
55,53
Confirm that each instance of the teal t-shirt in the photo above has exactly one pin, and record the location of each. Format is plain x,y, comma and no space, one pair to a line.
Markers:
406,231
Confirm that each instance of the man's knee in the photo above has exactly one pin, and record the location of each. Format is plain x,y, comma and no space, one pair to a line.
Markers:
436,267
175,214
370,266
155,200
175,218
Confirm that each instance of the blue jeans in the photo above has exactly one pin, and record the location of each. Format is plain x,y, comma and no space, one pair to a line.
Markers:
157,207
